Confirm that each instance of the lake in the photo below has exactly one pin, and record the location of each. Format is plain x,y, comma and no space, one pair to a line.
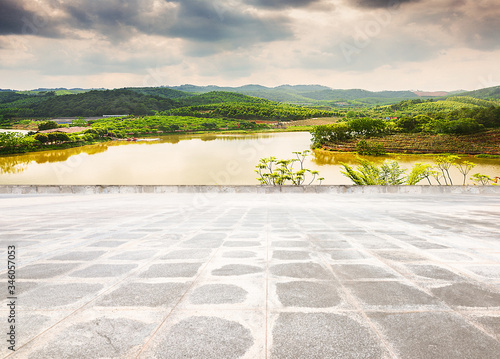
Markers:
204,159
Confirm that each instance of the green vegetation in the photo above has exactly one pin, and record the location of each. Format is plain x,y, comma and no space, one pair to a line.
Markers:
123,127
309,94
370,149
13,142
489,93
390,173
370,122
358,127
484,143
160,92
251,111
367,173
481,179
47,125
274,172
410,133
147,102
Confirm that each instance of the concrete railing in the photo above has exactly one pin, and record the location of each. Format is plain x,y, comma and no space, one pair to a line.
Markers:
103,189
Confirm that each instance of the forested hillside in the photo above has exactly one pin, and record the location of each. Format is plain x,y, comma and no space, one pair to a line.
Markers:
306,94
148,101
490,93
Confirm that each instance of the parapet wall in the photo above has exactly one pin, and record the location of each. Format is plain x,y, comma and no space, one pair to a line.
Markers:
340,189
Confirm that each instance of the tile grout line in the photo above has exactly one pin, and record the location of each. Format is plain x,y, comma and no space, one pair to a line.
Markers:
356,304
82,307
267,284
417,285
153,335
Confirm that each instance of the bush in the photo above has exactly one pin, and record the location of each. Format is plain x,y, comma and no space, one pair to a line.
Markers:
47,125
370,149
79,122
367,127
330,133
13,142
91,131
41,137
412,124
462,127
369,174
57,137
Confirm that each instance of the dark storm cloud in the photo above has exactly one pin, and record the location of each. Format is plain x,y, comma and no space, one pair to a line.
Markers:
11,14
117,20
379,3
279,4
205,21
15,19
229,26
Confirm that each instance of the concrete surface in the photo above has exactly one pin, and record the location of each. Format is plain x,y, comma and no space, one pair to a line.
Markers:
127,189
210,274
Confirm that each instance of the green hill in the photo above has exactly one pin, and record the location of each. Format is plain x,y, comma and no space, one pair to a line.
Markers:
98,103
161,92
489,93
304,94
215,97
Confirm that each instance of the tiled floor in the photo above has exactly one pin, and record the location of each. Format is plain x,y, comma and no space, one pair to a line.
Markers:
253,275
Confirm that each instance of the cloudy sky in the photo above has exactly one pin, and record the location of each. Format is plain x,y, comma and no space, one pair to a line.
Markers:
370,44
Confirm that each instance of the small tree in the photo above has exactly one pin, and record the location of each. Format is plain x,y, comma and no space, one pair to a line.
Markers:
464,168
443,163
41,137
79,122
481,179
47,125
274,172
418,173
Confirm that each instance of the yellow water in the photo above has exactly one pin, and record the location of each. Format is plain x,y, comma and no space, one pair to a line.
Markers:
188,159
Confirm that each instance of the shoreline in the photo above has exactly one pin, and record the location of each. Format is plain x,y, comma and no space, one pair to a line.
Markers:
340,148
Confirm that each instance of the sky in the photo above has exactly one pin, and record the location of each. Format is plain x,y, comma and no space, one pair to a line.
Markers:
427,45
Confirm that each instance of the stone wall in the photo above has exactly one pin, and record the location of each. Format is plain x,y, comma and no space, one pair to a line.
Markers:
93,189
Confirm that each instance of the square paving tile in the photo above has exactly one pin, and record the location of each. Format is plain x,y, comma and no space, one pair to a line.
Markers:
144,295
171,270
390,294
360,271
323,335
435,335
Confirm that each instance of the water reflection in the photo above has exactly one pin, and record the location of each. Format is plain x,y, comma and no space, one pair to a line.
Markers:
322,157
19,163
190,159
